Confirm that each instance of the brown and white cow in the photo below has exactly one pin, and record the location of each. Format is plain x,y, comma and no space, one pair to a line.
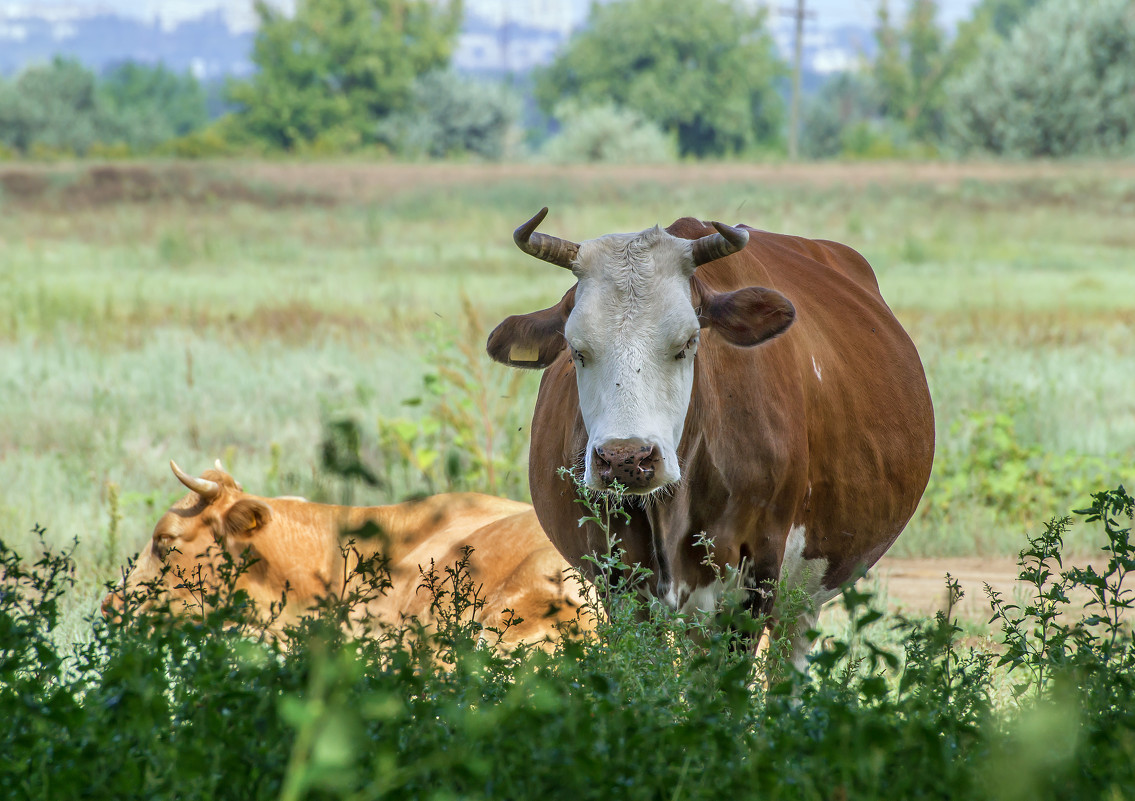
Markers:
297,545
754,389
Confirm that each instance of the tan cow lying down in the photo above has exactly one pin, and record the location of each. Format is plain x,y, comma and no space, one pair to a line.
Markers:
297,544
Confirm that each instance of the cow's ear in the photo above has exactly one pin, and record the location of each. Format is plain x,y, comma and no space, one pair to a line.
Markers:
748,316
531,340
246,516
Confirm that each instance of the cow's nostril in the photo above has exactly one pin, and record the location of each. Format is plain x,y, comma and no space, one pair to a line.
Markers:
632,463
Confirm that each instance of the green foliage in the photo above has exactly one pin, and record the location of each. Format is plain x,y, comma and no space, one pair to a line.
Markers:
54,108
1062,84
215,139
151,105
464,438
61,109
1077,737
329,72
450,115
607,134
1004,15
702,71
654,705
913,64
988,464
845,101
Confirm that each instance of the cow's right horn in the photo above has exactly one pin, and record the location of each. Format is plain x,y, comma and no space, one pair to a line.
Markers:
560,252
202,486
727,241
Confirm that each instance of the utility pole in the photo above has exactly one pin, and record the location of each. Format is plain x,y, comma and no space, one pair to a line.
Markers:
504,39
798,14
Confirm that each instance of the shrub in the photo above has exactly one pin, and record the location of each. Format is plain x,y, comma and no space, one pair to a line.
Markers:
655,705
53,108
607,134
1062,84
451,115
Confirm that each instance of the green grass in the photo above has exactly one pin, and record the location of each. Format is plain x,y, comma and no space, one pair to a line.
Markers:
235,323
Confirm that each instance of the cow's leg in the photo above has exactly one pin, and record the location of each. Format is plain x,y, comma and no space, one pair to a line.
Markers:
800,641
801,580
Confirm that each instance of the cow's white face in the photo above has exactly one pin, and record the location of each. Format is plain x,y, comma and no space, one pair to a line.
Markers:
633,333
632,328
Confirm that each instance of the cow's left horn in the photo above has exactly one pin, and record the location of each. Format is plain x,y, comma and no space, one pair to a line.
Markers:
727,241
560,252
202,486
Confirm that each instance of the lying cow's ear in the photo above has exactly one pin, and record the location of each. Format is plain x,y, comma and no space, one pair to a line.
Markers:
246,516
531,340
748,316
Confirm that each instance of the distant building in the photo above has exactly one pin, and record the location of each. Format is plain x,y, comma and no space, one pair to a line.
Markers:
502,37
31,33
499,37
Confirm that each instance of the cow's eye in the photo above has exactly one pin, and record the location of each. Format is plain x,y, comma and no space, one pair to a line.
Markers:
689,348
580,357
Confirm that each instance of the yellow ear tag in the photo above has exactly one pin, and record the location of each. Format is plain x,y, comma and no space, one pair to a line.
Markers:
523,353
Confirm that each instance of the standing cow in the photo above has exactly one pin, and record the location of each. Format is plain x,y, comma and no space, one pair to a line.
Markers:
753,388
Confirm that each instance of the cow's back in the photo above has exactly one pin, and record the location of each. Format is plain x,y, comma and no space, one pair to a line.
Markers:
865,407
511,565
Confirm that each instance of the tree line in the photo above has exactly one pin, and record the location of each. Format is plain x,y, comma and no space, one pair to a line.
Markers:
643,80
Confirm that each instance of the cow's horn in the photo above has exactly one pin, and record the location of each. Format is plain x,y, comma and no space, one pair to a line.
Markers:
202,486
726,241
553,250
219,466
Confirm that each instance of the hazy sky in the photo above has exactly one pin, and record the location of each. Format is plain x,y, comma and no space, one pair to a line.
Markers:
239,12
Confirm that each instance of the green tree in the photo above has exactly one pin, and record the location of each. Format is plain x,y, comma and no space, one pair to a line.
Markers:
150,105
1004,15
845,106
702,70
610,134
912,66
55,106
336,67
1063,83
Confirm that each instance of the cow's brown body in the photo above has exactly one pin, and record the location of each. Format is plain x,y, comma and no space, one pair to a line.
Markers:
298,547
824,434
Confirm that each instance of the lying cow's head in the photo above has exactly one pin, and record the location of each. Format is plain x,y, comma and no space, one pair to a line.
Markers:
189,542
632,322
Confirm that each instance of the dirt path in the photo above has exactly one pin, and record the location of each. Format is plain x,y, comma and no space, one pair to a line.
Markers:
919,585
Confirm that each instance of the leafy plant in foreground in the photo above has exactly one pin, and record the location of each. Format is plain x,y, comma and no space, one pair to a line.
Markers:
654,705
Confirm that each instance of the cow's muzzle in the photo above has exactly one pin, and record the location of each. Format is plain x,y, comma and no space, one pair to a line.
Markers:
631,462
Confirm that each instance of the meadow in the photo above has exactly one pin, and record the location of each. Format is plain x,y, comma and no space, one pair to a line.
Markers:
194,312
295,320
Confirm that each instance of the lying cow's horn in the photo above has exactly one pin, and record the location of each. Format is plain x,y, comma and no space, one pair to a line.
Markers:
727,241
553,250
202,486
218,465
